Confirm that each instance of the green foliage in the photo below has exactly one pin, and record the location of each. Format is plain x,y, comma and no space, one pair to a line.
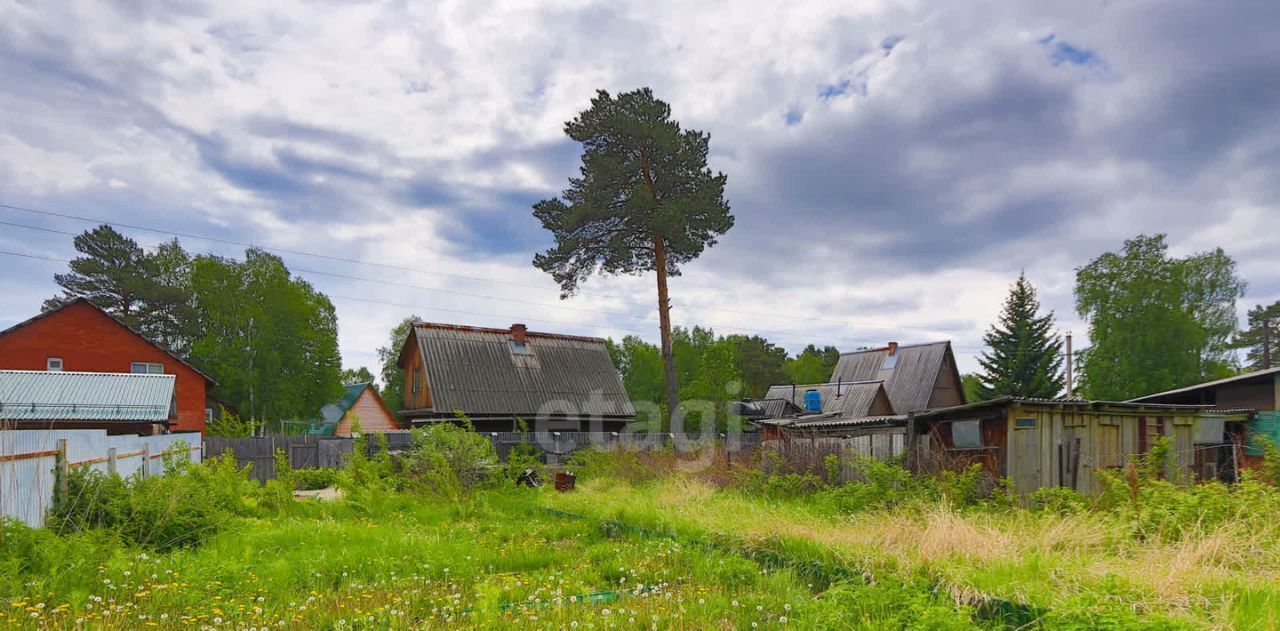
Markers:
889,604
718,381
972,386
268,338
145,291
760,362
392,374
1261,337
1025,356
178,509
358,375
451,460
1060,500
812,365
1155,322
644,180
313,479
229,425
640,364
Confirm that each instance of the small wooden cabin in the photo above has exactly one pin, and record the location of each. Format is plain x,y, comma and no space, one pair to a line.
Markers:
359,401
1044,442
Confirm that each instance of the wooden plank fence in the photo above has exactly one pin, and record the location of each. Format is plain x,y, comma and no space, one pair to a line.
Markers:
552,447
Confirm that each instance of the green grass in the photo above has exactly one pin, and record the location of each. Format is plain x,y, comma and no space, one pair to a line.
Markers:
640,546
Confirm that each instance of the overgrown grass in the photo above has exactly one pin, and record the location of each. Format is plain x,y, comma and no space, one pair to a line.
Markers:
441,539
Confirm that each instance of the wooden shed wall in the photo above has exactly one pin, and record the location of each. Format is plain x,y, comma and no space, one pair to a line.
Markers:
1035,458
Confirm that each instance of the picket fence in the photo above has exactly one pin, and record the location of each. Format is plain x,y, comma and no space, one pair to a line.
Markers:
30,460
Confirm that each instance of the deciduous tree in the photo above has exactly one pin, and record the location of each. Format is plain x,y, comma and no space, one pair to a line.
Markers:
1156,322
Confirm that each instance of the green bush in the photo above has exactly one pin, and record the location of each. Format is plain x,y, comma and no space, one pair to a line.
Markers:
1060,500
174,510
451,460
314,479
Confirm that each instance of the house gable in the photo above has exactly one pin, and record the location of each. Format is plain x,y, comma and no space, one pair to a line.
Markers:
86,339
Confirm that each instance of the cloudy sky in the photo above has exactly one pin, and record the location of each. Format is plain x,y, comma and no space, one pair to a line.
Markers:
892,165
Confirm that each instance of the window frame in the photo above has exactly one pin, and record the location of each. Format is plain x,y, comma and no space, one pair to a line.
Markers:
48,364
146,368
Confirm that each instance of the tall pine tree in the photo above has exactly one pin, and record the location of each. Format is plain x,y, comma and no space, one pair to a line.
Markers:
644,201
1262,337
1025,359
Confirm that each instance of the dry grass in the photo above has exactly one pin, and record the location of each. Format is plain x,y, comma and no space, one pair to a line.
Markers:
976,554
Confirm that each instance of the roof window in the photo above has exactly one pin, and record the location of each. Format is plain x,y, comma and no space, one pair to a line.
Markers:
520,348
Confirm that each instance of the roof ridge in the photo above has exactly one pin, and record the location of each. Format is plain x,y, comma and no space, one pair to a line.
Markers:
900,347
87,372
443,326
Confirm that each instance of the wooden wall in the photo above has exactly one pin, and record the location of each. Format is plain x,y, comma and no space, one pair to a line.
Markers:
374,416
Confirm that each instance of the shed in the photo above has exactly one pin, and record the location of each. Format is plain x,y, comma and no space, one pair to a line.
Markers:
1061,442
1257,391
360,401
121,403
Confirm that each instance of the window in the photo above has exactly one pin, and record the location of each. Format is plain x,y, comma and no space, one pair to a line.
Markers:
1024,423
520,348
208,415
146,368
966,434
890,361
53,364
417,380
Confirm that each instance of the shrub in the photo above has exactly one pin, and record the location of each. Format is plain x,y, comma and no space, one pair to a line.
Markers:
1060,500
313,479
175,510
449,459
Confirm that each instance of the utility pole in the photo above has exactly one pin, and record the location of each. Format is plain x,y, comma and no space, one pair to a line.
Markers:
1071,386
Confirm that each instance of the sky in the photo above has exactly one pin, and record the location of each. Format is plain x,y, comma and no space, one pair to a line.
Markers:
892,166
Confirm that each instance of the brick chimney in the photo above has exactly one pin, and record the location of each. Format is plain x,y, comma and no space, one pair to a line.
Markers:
893,348
518,333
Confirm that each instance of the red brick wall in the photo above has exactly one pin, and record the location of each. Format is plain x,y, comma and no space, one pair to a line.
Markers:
89,341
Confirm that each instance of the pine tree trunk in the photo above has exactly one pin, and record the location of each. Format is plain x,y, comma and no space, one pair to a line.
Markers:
664,323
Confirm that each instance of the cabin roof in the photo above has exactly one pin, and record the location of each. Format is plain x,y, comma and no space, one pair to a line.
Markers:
908,379
480,372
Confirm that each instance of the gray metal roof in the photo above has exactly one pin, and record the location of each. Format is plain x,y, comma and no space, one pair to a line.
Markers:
1210,384
894,419
476,371
844,399
33,395
1073,403
909,381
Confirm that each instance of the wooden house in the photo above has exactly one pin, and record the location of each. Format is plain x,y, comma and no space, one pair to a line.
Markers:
499,377
80,337
361,403
871,391
1043,442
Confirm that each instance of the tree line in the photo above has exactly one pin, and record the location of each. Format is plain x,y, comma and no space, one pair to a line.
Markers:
268,338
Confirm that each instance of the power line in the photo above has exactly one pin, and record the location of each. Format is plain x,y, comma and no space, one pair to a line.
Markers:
794,335
186,235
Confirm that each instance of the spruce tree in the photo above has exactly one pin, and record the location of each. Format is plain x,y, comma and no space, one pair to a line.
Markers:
1025,359
1262,337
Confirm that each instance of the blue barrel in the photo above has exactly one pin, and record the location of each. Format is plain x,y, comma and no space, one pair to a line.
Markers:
812,401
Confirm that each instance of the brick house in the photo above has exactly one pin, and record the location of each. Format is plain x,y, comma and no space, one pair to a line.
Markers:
81,337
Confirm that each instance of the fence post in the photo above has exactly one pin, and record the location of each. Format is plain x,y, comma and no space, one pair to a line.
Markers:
146,460
111,460
63,467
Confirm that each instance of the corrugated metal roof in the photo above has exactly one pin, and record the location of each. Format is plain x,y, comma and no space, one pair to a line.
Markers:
910,379
32,395
844,399
1077,403
896,419
1210,384
475,370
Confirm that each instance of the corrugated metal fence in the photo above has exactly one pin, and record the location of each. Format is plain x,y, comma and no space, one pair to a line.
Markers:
29,458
